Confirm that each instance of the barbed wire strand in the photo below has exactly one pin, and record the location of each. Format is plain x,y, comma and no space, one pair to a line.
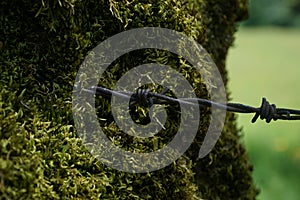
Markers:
144,97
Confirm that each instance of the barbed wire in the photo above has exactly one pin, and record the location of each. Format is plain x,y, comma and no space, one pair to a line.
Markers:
146,98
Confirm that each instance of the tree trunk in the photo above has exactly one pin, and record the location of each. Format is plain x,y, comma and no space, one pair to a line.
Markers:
43,44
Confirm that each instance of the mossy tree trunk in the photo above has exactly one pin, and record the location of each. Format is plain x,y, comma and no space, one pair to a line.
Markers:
42,46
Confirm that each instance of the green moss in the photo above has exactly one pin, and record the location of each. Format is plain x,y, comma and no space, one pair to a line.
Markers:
42,45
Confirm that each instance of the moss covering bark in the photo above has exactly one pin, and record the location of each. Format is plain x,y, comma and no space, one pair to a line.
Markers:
43,43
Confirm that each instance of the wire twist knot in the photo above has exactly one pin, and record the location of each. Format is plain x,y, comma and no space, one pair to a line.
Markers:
142,98
266,111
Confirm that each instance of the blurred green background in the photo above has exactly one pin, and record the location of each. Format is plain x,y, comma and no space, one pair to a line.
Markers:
274,12
265,62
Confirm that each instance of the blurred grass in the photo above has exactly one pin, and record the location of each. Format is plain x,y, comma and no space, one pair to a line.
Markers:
266,62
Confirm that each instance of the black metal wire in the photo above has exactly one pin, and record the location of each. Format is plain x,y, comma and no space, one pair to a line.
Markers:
144,97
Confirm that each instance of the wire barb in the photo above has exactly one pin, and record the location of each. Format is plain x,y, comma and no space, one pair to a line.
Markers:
142,98
266,111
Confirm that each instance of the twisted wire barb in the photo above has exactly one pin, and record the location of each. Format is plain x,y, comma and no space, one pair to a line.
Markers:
146,98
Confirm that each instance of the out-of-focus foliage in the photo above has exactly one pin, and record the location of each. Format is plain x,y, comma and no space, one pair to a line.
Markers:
274,149
274,12
42,45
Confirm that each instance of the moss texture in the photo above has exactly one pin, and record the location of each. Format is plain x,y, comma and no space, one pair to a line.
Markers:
43,43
